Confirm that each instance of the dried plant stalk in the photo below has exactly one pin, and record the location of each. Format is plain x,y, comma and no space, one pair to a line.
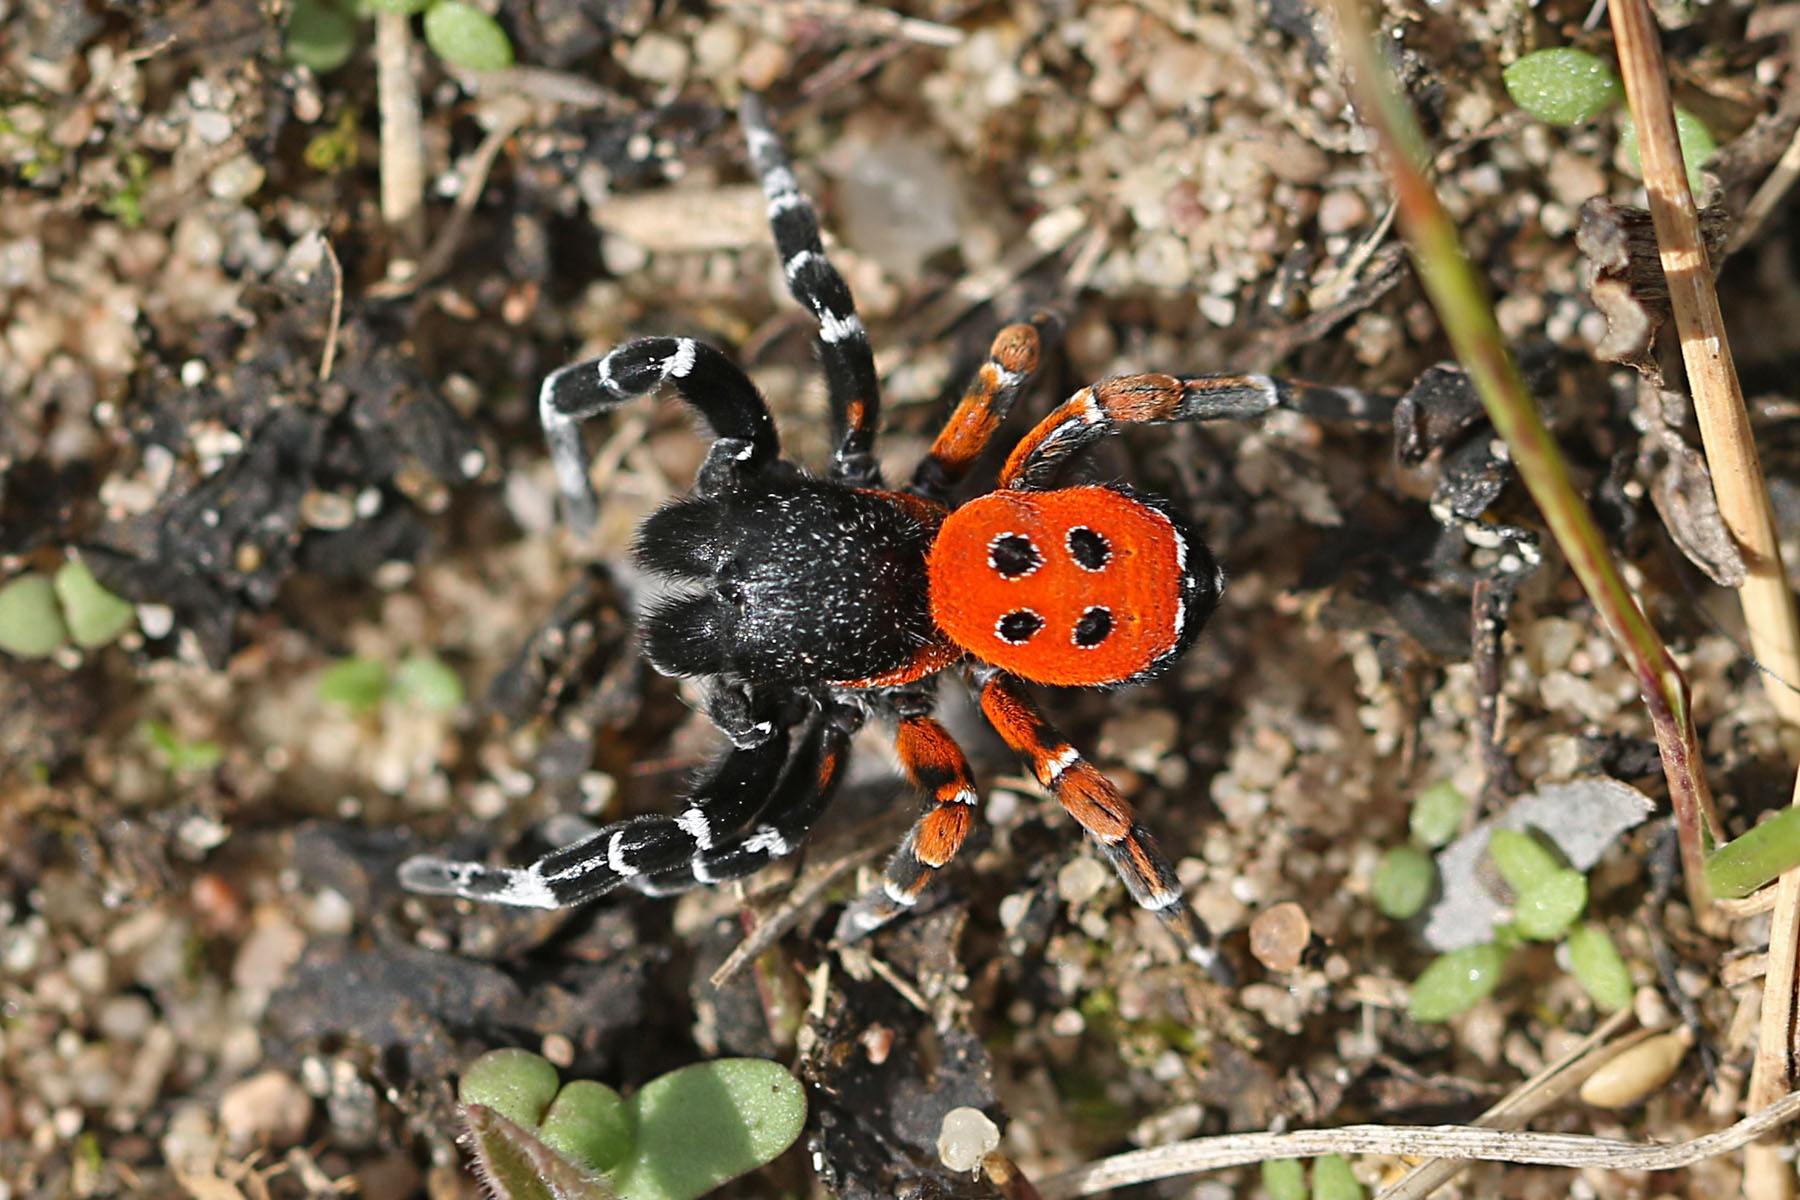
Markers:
1515,1110
1446,1141
1769,611
1468,319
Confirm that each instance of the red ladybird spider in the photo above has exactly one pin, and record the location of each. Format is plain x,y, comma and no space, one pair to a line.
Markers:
811,604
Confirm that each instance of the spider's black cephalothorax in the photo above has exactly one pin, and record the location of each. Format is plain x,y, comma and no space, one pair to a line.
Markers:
795,580
809,604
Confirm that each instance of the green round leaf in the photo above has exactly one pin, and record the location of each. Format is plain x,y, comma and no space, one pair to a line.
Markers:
512,1164
319,36
425,681
1521,859
588,1124
1563,85
517,1084
704,1125
1545,911
1284,1179
465,37
359,684
95,615
1437,814
1598,968
31,624
368,8
1697,144
1333,1180
1456,981
1403,881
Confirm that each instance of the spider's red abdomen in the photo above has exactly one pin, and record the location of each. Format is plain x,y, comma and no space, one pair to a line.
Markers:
1080,587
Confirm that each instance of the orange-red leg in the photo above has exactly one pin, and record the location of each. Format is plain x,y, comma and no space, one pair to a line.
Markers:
1097,807
936,765
1101,408
1011,363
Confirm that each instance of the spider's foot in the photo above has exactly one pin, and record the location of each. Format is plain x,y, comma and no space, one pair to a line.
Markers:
1197,943
431,876
871,910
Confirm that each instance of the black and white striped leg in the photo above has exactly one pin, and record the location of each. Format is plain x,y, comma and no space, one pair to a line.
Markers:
624,852
806,789
700,374
1474,475
816,284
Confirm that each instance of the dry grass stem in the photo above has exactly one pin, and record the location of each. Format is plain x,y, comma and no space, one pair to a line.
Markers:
335,323
1768,198
1768,601
1515,1110
1468,320
865,19
1444,1141
1712,376
402,141
509,114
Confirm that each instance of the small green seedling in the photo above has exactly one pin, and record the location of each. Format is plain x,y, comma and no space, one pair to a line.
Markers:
1697,143
94,615
420,681
1548,899
1563,85
178,755
1455,982
31,623
1403,881
1598,968
1284,1179
1566,86
39,613
322,34
1437,815
679,1137
1746,863
1405,877
1332,1179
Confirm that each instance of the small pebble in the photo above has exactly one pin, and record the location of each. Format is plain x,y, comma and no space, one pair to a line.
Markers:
966,1137
269,1106
762,64
235,178
274,945
1278,936
1634,1074
1081,879
658,58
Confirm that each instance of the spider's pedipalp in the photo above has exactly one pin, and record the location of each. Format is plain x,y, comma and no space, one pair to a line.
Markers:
701,375
689,635
843,342
1098,808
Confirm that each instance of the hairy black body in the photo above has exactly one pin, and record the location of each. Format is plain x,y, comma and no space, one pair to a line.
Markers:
789,572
